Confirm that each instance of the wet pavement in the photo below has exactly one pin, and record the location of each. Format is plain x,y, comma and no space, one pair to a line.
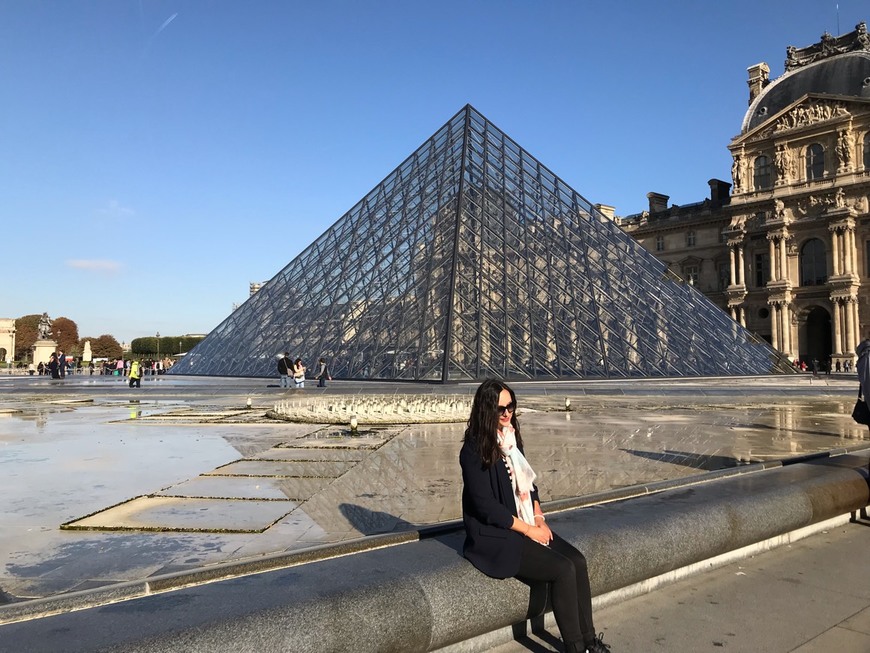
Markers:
101,483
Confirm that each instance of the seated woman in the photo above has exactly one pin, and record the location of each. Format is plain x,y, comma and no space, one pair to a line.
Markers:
506,534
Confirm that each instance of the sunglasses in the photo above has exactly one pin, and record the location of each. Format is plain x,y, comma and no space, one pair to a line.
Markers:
502,410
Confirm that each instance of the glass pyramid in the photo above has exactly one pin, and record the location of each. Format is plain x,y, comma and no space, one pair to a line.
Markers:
473,260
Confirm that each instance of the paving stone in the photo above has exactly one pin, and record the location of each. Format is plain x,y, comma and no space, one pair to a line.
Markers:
173,513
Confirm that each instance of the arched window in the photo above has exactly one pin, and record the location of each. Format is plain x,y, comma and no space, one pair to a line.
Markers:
867,151
761,175
814,266
815,162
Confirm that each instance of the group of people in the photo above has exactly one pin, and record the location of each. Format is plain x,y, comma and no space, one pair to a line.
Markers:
59,365
296,370
815,366
56,367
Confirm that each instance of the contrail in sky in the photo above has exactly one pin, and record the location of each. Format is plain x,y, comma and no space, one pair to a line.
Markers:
165,23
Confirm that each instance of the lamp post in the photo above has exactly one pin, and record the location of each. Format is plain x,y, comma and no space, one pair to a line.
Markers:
156,367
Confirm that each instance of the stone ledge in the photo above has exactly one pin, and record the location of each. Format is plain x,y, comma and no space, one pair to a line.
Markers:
423,596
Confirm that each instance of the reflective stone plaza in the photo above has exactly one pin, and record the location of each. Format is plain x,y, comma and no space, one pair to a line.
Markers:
103,484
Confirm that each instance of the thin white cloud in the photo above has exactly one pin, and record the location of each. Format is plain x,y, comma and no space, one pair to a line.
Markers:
114,209
94,265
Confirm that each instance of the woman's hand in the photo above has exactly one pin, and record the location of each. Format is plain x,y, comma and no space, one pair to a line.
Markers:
540,534
540,523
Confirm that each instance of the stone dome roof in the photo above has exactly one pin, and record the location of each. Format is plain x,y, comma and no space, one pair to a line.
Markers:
846,75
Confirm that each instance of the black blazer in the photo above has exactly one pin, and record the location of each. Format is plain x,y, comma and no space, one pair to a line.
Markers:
488,509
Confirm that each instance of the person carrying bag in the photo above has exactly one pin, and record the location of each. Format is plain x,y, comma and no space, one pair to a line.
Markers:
861,412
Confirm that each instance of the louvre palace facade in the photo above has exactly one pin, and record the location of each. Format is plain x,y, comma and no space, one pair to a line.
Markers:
785,247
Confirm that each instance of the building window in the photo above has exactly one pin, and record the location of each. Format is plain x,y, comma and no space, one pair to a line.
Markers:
762,270
815,162
867,151
660,243
690,239
867,258
814,267
690,272
763,313
724,276
761,177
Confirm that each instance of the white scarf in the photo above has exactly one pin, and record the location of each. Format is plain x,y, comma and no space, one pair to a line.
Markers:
523,476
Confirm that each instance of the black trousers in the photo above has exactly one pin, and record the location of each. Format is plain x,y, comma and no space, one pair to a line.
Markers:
564,567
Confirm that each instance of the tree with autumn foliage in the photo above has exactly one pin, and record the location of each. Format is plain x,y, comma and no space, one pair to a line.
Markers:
66,333
26,333
105,346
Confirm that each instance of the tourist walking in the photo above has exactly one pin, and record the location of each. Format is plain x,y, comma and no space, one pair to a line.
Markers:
299,373
135,374
322,373
506,534
284,367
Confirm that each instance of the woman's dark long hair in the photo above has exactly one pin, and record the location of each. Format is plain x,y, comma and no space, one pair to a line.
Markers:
483,421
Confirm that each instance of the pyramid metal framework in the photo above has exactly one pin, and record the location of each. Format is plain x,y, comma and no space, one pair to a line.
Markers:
473,260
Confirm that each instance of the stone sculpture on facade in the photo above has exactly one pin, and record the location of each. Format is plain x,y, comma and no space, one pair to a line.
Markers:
862,39
844,150
737,173
828,46
781,162
778,209
807,114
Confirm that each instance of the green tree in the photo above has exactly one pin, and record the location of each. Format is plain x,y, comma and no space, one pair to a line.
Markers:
186,343
66,333
26,333
168,345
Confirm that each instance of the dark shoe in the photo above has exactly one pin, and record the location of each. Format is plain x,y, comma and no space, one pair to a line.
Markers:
598,646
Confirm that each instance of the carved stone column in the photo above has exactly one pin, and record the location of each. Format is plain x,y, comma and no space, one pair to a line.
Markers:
733,261
785,314
851,323
838,338
853,249
783,259
835,250
848,250
774,325
736,291
772,254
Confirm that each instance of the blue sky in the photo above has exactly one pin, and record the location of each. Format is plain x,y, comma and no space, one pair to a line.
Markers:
158,155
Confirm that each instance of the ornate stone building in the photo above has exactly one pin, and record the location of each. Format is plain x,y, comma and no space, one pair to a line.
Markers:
787,253
7,340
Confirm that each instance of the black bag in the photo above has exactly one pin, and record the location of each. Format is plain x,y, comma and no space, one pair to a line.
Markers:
861,412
